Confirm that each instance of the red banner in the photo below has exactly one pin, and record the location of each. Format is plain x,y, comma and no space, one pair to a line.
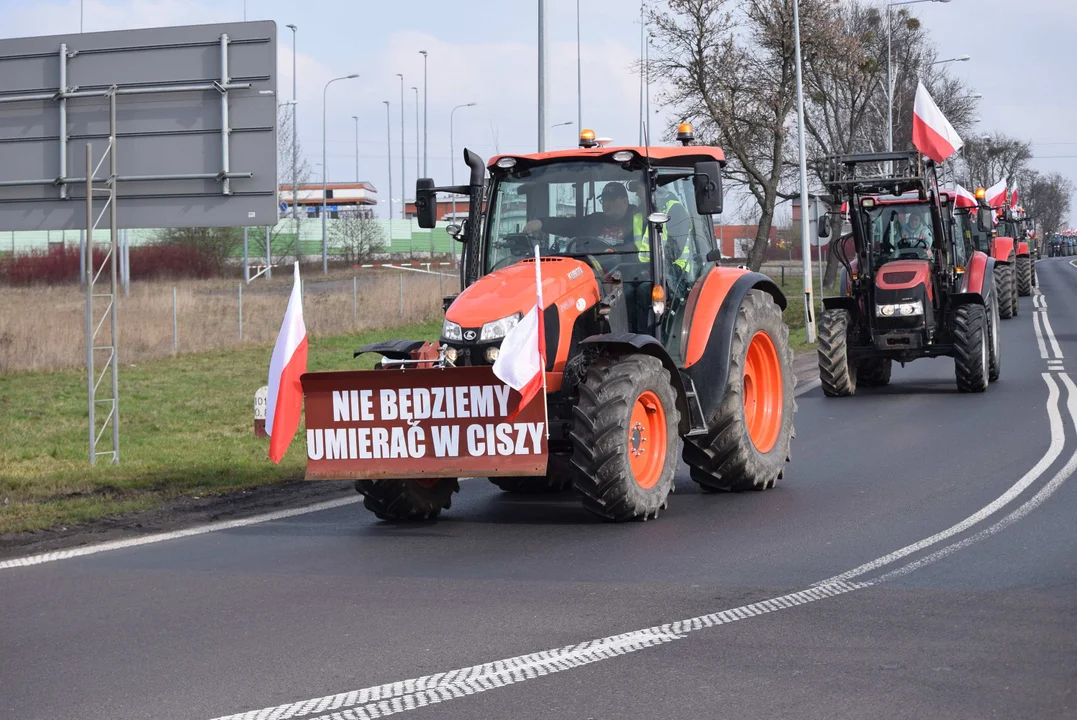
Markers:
419,423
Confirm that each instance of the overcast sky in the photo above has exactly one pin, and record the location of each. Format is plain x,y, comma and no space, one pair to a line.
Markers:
484,51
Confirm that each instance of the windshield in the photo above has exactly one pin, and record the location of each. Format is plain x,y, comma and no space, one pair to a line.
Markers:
899,231
589,210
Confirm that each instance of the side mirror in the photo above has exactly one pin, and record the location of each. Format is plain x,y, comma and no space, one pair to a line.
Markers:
708,185
714,255
824,226
985,221
426,203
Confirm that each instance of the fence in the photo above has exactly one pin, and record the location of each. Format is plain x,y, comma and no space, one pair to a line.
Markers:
161,318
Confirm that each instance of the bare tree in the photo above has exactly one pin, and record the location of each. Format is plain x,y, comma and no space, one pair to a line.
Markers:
1046,198
358,236
992,158
217,245
288,177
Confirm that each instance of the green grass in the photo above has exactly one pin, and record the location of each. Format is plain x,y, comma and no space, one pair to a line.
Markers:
186,428
794,311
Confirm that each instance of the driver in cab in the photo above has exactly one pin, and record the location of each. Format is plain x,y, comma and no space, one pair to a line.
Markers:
619,223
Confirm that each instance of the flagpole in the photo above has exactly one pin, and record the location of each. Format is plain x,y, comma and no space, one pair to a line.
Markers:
538,292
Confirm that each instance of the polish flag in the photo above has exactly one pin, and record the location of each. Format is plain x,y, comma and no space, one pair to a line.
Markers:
932,133
996,194
1013,196
963,198
285,402
521,364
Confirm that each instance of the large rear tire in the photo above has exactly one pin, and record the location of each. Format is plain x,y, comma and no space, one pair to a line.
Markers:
407,500
1024,276
971,344
558,477
836,373
626,437
874,372
1004,288
749,437
994,354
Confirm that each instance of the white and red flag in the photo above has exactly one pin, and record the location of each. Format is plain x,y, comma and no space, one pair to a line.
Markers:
285,402
963,198
521,363
1013,195
932,133
996,194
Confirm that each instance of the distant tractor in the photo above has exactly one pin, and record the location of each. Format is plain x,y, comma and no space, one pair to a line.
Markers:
654,350
915,287
1001,249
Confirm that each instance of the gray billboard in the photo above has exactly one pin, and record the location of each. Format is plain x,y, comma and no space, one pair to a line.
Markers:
195,128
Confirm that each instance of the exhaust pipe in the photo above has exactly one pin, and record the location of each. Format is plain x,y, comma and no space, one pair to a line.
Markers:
472,264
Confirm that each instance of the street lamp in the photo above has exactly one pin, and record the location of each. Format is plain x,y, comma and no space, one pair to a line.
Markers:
426,170
890,66
452,153
570,122
295,145
805,243
325,237
389,154
959,58
356,119
403,180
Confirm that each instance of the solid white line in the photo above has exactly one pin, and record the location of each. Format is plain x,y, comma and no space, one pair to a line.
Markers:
810,385
1050,334
1053,451
1039,336
162,537
1028,506
392,698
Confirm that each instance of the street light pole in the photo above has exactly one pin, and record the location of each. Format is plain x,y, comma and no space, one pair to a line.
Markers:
452,154
356,119
417,176
403,181
890,68
426,121
389,154
579,71
295,150
805,243
542,75
325,172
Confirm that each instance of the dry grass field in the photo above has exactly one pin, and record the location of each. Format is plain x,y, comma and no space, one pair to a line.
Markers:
43,328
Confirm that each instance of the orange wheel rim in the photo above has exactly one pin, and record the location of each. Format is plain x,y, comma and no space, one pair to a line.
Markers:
763,392
647,439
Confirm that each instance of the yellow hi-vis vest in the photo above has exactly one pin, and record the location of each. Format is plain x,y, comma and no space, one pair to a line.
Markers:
643,245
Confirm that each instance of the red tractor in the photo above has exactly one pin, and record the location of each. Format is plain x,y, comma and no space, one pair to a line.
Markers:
654,350
1001,249
914,288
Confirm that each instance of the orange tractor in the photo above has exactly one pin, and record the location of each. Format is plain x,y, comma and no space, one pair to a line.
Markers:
654,351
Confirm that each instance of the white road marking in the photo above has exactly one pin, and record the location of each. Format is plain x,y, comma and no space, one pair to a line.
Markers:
1028,506
1039,336
806,387
391,698
162,537
1050,334
1052,454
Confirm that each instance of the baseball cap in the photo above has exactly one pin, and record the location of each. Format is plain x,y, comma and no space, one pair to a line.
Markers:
614,190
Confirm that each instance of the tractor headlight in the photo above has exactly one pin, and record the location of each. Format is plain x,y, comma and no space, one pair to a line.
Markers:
900,309
498,329
451,331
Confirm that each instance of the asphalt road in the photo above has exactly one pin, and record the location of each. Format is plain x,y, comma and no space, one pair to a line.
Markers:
918,560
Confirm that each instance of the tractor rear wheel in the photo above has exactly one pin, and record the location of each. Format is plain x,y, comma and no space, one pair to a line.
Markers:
407,500
748,438
836,373
1004,286
994,349
971,344
1024,276
874,372
558,477
626,437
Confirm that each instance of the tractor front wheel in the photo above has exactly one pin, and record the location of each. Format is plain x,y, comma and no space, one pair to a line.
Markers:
407,500
747,443
874,372
626,437
971,348
837,374
1024,276
1004,287
994,353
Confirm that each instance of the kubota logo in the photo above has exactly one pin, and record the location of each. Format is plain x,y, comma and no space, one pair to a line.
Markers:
469,335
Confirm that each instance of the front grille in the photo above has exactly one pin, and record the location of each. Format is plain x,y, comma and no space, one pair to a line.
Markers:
897,278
